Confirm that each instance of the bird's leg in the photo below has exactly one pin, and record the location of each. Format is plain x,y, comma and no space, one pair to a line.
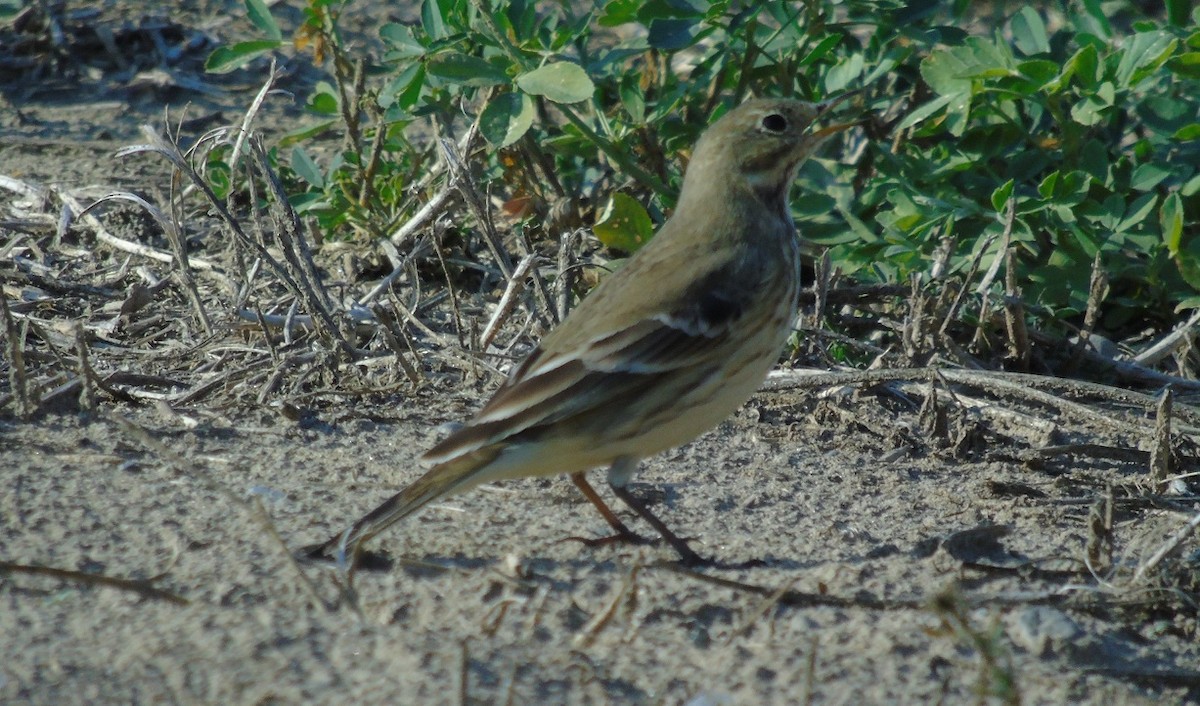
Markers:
623,533
618,479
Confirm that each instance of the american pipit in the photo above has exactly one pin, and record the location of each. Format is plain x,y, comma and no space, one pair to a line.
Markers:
663,349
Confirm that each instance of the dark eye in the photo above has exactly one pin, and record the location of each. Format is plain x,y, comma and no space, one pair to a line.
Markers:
774,123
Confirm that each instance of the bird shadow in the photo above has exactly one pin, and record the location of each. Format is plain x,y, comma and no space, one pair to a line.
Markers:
432,565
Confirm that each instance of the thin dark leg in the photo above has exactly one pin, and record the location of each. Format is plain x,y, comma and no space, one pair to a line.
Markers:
686,555
623,533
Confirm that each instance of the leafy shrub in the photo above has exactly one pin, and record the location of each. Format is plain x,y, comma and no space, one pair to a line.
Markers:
1060,136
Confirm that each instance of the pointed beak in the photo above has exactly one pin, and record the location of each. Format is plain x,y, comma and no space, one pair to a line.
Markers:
825,106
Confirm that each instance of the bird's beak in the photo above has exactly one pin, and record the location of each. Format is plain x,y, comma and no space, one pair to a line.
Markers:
825,106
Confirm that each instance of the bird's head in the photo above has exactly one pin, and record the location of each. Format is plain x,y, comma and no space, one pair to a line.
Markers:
762,143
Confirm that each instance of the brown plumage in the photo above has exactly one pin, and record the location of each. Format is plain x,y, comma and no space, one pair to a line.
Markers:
663,349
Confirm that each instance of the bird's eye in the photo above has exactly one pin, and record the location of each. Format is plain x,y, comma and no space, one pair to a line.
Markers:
774,123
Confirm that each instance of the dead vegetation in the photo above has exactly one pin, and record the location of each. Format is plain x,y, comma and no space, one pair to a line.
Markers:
238,304
220,307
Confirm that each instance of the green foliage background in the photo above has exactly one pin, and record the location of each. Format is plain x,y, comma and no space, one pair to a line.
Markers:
1068,131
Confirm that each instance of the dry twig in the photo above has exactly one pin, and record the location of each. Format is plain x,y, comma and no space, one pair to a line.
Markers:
1160,445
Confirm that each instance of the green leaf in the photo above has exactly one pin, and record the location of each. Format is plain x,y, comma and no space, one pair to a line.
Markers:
662,9
401,41
945,72
886,64
1191,131
1082,64
561,82
217,174
433,19
1093,159
619,12
715,11
324,99
842,74
624,225
226,59
261,17
11,8
1170,219
306,133
506,119
1001,196
464,70
1186,65
1045,189
1178,11
942,72
1110,211
811,203
633,100
1188,262
1065,214
819,52
1147,176
1190,187
1092,108
990,56
923,111
1087,65
1099,18
1066,189
1039,71
404,89
1143,53
1097,14
672,34
307,168
1029,32
953,71
310,202
1137,212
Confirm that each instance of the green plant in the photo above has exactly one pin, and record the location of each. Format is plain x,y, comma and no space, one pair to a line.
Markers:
1066,134
1092,135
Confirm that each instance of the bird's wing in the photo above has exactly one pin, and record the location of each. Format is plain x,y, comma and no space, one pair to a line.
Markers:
553,385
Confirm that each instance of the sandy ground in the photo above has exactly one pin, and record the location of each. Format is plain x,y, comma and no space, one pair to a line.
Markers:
486,603
862,555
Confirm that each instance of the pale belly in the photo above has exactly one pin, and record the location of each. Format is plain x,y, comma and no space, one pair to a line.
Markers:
685,415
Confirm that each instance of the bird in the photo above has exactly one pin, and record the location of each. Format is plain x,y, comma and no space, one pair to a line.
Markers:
661,351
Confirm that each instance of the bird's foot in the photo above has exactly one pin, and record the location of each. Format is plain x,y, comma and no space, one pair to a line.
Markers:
626,537
329,553
314,552
687,557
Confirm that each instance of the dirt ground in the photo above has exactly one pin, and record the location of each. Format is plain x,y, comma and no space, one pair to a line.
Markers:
871,545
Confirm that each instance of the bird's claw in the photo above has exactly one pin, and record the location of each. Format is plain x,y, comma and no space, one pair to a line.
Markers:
615,538
687,557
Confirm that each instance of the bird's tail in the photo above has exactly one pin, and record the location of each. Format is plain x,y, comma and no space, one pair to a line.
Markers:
453,476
